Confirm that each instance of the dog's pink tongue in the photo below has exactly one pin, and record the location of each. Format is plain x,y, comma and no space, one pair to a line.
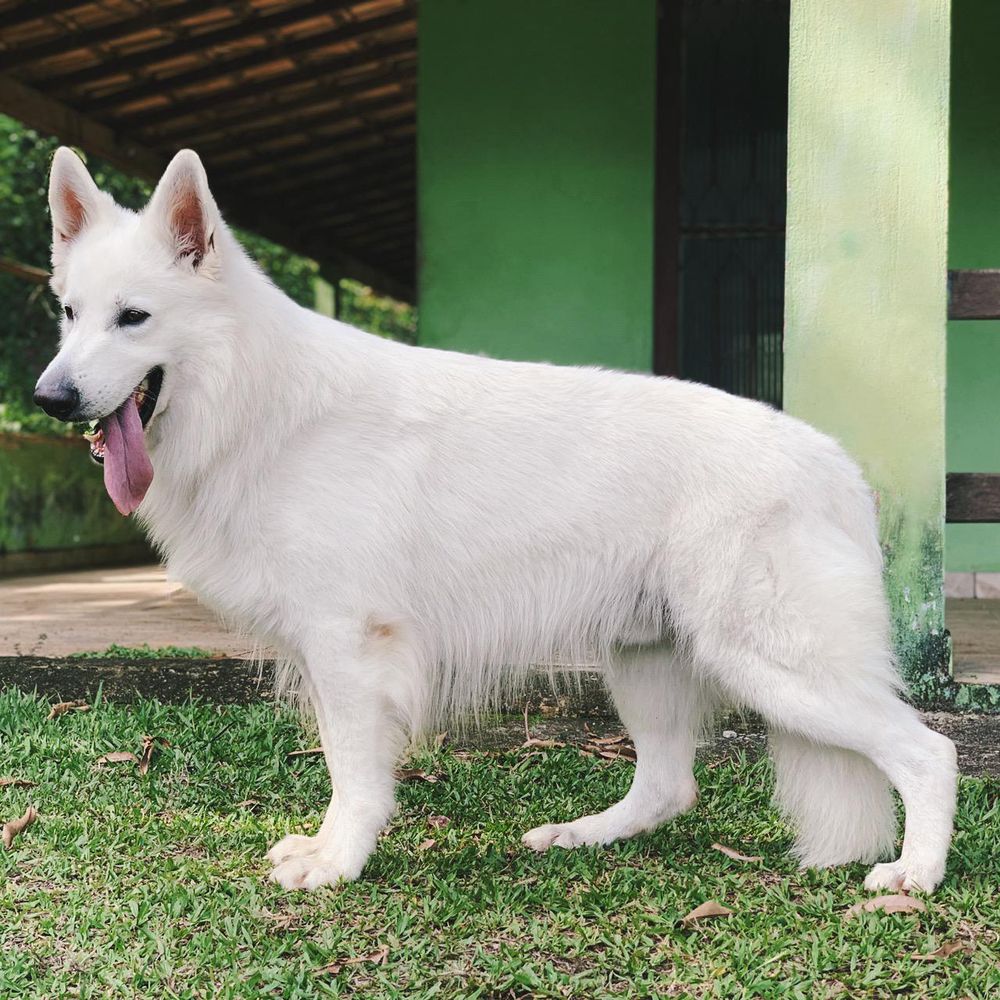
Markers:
127,469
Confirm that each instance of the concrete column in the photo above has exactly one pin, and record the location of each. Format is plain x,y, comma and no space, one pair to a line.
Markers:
865,285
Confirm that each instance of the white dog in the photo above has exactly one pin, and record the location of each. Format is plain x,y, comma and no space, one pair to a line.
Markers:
415,529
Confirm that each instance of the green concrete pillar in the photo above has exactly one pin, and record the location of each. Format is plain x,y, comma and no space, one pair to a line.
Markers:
865,285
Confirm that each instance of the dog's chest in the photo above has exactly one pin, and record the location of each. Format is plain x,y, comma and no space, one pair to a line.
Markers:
232,570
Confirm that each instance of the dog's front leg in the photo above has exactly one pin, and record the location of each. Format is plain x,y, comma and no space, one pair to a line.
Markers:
361,742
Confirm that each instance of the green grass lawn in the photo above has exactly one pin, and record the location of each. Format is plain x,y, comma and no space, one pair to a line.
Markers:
116,652
156,886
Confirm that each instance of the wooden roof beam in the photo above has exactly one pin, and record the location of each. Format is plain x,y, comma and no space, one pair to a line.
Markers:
222,68
70,41
301,102
387,161
48,115
344,263
326,74
38,10
360,142
325,118
329,209
252,22
353,186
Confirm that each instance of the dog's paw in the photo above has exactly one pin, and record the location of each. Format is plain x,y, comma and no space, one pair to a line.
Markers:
293,846
312,871
899,876
565,835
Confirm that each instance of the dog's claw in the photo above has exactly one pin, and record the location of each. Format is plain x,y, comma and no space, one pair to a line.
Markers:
310,873
293,846
897,876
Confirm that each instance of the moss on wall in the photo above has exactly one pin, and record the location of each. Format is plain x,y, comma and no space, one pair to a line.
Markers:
52,497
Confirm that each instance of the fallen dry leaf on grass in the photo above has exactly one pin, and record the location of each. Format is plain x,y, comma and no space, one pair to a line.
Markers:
375,958
531,741
67,706
542,744
252,804
282,922
426,845
16,826
607,741
619,752
17,783
414,774
149,744
735,855
304,753
117,757
706,911
438,822
947,949
888,904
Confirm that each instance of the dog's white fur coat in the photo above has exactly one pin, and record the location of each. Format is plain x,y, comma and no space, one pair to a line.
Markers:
415,529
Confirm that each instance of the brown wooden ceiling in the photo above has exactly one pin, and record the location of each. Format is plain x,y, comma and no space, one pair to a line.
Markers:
304,112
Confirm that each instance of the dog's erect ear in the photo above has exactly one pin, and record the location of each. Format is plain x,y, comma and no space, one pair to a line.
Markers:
183,209
74,200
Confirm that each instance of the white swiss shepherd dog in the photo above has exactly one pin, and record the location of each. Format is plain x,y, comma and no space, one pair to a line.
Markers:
414,530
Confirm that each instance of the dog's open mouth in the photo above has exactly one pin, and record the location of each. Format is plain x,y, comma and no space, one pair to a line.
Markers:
144,396
117,441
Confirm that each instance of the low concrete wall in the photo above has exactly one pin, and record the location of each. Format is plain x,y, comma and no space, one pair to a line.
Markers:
55,512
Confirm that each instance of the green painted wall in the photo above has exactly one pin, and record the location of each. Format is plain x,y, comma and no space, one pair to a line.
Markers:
974,241
535,149
52,497
865,280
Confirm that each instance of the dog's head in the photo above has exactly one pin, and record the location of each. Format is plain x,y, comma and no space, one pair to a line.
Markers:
133,289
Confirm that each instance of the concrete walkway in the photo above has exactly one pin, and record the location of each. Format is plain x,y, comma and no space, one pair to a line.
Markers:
90,610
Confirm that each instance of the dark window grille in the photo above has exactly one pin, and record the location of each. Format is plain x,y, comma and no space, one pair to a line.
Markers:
732,150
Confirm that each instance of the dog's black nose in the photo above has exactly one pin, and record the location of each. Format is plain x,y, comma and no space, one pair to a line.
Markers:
59,401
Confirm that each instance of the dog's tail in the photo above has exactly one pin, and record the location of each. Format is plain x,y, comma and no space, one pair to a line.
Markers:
839,803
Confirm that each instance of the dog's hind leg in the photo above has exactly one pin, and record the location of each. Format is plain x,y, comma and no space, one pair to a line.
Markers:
804,639
662,707
834,736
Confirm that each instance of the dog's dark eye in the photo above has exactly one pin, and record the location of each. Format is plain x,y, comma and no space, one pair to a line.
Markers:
132,317
68,312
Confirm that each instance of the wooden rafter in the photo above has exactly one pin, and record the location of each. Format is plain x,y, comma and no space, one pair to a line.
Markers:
377,165
325,118
326,73
70,41
306,121
251,24
48,115
290,109
42,112
217,69
360,142
37,10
